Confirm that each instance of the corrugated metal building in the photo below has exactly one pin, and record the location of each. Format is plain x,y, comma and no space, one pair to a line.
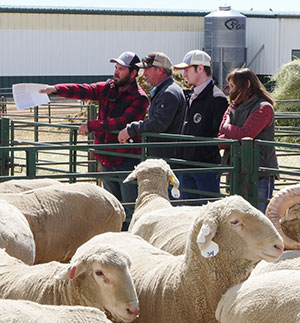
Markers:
74,45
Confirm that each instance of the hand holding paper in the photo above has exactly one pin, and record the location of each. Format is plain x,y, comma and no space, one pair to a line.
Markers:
27,95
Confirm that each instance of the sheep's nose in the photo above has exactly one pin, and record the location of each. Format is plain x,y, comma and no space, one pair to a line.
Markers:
133,311
279,248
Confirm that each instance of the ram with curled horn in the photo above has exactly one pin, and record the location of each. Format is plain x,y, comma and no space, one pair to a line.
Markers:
284,211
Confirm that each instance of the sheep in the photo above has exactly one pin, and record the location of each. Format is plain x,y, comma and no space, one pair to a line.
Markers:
271,290
187,288
22,185
289,260
97,276
13,311
167,229
283,211
154,218
273,297
62,217
15,234
153,177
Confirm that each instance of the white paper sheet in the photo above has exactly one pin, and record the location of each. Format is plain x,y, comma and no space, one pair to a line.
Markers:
26,95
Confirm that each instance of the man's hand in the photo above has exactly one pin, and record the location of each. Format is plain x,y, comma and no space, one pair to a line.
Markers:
123,136
49,90
83,129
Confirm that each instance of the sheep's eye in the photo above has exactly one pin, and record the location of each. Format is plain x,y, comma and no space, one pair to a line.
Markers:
99,273
234,222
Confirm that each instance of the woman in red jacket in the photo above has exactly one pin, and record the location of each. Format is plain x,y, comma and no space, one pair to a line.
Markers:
251,114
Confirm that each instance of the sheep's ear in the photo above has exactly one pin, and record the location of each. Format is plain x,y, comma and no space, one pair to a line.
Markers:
207,247
71,271
175,182
173,179
131,176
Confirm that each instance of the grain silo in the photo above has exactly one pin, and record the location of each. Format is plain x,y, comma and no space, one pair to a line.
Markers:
225,41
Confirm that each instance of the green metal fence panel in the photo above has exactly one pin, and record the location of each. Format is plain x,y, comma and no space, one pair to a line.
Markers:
4,140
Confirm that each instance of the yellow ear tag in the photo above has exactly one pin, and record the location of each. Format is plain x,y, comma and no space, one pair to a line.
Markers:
172,180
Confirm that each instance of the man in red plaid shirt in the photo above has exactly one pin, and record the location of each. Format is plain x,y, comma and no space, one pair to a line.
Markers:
121,101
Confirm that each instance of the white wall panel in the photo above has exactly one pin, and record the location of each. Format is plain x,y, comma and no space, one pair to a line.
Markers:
279,36
70,52
289,39
81,44
262,31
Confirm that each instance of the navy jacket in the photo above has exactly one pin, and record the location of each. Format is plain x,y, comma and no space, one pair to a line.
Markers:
166,114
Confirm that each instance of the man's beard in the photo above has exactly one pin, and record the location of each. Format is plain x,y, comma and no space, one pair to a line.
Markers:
123,82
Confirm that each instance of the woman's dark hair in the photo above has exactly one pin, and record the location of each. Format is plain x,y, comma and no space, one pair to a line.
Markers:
246,84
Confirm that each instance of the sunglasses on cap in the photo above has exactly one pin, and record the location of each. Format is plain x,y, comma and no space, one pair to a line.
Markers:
148,61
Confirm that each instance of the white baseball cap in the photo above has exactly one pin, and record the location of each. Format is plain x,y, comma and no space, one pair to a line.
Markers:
128,59
194,57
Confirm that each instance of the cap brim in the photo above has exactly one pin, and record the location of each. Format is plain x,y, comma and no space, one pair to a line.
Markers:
143,65
116,60
181,66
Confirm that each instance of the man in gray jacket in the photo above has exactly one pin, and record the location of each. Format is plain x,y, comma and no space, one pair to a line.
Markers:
167,107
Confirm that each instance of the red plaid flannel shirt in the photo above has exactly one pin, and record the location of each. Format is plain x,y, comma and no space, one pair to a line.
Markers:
116,109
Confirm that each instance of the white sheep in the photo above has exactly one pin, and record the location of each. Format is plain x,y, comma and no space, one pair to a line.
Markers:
62,217
153,177
13,311
167,229
270,294
22,185
15,234
155,219
224,243
273,297
98,276
289,260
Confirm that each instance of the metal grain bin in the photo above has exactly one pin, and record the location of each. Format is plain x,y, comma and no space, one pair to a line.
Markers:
225,41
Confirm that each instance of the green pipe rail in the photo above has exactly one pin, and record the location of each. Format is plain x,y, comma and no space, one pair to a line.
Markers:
242,174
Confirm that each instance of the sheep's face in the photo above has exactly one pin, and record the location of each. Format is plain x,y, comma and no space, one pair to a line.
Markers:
258,234
117,291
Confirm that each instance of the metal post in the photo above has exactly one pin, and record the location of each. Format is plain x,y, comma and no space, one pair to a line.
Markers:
92,115
72,154
144,149
255,172
12,153
49,113
235,163
3,105
30,163
36,128
4,141
220,72
246,185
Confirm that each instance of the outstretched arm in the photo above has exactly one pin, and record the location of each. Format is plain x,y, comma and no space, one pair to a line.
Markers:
49,89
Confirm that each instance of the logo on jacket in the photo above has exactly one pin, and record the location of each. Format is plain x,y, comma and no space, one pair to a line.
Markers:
197,117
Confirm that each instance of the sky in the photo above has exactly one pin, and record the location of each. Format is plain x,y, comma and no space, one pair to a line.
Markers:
195,5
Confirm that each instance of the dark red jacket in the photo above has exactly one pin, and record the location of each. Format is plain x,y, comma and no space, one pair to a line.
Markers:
116,109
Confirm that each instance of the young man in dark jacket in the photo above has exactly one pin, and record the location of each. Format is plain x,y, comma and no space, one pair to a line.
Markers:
206,106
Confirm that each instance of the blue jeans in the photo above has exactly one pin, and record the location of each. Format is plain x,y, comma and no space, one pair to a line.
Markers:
265,191
209,182
124,192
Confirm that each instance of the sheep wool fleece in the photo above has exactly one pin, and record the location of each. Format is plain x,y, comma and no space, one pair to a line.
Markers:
13,311
272,297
